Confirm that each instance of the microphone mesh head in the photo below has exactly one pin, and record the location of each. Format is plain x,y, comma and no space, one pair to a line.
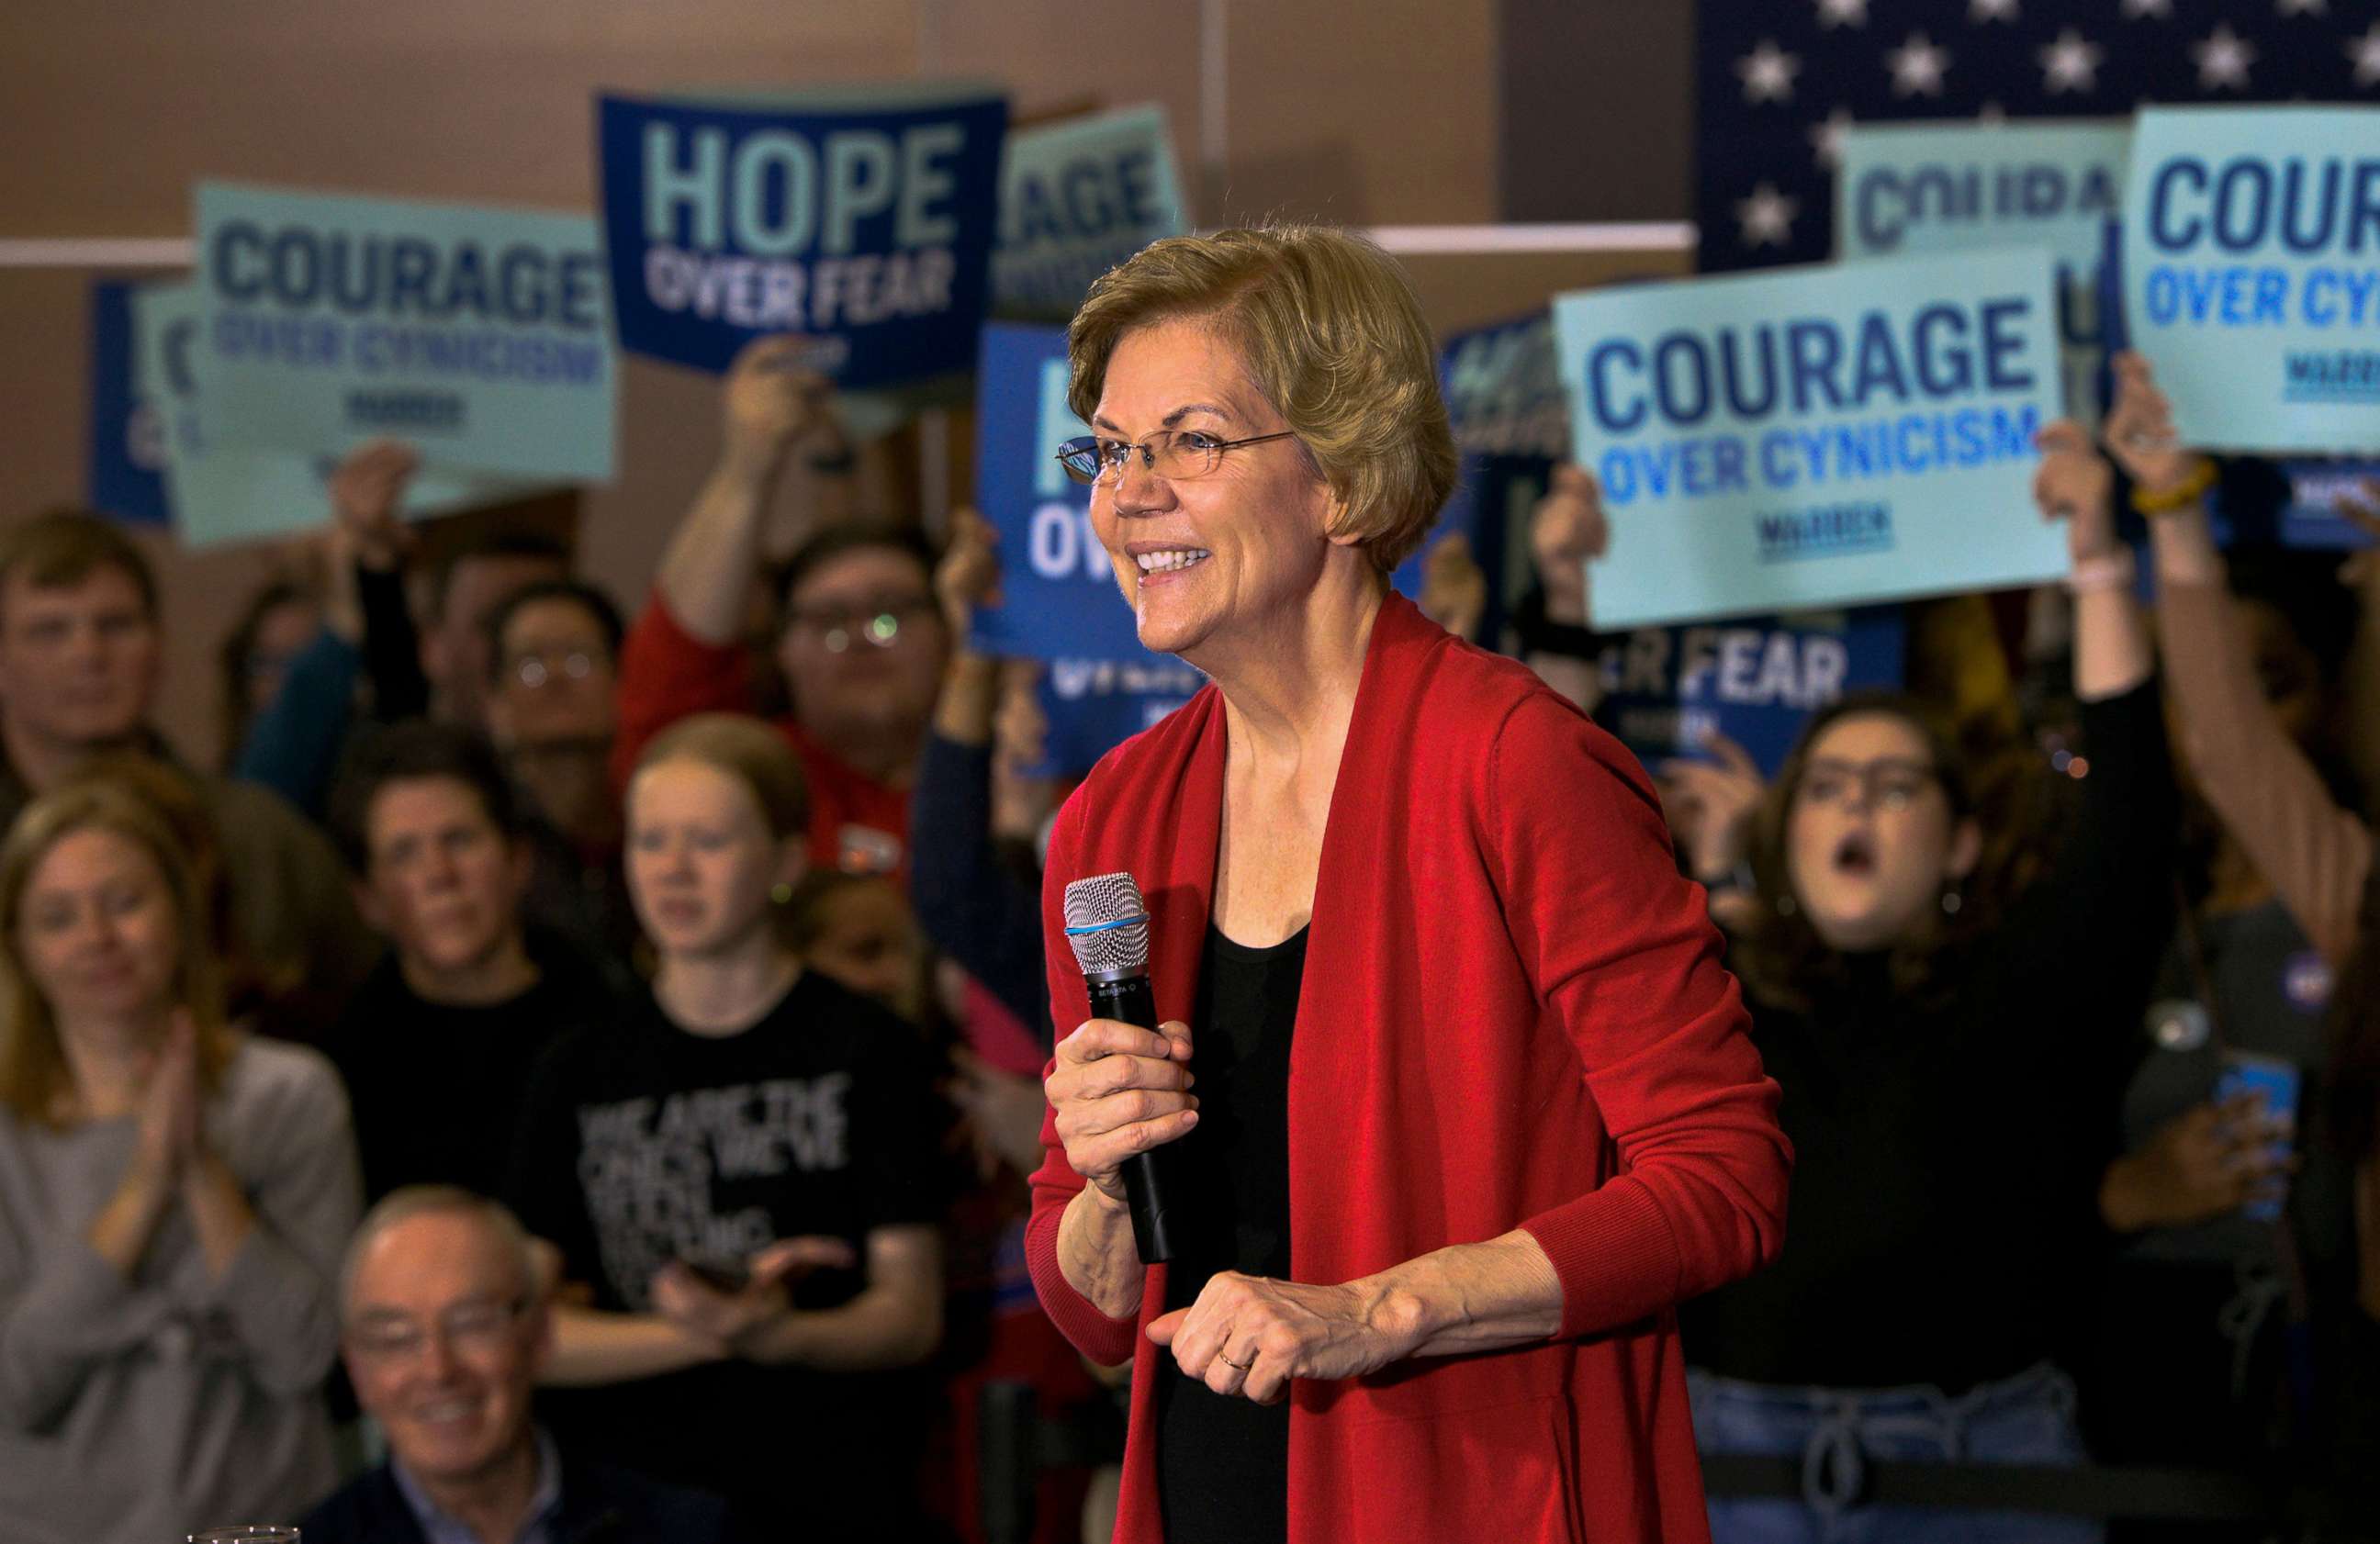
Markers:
1107,924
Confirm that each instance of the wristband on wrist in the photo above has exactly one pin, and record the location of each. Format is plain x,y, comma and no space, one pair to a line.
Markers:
2182,495
2109,571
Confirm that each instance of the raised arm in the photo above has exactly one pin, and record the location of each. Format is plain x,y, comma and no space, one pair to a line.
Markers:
769,404
2111,638
2313,853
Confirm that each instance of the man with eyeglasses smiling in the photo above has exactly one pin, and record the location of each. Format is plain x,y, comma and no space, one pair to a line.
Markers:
443,1331
862,642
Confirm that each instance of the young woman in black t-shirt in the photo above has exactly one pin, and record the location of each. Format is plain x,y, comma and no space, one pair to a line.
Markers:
741,1176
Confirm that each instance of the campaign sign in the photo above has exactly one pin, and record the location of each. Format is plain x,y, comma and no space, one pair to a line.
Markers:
2320,489
1816,437
1667,690
1059,602
1902,189
126,467
220,493
1077,198
2252,272
479,335
863,218
1093,705
1503,389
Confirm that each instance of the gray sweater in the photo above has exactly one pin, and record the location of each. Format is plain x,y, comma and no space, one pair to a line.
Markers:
137,1411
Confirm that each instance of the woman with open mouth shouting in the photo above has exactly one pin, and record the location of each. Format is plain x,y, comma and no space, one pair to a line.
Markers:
1946,1001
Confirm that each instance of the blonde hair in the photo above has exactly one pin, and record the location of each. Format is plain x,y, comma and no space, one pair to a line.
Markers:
751,753
1330,330
33,1073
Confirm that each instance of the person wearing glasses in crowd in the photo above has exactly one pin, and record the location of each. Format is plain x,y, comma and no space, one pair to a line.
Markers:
1909,954
554,647
444,1329
174,1195
862,640
1475,1105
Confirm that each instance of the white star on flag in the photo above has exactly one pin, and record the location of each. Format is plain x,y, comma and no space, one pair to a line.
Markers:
2071,64
1766,217
2223,60
1826,136
1991,10
1918,67
2365,51
2161,9
1767,72
2302,8
1842,13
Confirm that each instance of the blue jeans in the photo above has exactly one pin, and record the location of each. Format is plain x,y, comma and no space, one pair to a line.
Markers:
2025,1420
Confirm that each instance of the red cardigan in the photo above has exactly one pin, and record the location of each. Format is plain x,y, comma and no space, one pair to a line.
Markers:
1514,1016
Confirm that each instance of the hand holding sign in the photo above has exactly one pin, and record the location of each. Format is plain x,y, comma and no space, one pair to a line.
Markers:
771,402
2076,485
2140,431
367,492
1567,531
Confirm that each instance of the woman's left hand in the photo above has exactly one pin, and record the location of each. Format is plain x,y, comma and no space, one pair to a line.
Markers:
1250,1336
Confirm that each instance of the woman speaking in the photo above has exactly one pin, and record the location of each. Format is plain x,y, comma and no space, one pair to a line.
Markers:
1459,1088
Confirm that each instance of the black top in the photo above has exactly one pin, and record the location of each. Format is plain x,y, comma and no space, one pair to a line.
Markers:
645,1143
437,1089
1948,1150
1223,1463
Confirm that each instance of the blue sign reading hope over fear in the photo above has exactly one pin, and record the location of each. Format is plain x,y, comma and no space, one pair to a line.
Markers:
1667,690
2252,272
861,217
1816,437
479,335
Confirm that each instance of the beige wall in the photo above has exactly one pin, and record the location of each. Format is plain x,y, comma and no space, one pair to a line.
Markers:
1377,114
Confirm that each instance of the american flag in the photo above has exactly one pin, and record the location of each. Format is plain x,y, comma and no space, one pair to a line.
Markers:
1779,80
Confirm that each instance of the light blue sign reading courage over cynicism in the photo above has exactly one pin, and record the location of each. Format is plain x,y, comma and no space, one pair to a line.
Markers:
1903,189
480,335
1816,437
218,493
1077,198
2252,272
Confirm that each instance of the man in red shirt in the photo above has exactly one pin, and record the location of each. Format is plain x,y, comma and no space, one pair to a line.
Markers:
862,644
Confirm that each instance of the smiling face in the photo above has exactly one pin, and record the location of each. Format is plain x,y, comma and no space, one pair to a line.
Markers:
97,929
1870,838
1217,557
442,1347
701,861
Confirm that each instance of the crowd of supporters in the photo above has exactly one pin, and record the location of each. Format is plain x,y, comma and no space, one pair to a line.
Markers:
651,1012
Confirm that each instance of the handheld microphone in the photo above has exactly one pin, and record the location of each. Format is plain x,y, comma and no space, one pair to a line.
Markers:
1107,923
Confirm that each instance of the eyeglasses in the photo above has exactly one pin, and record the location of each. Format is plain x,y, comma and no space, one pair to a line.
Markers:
475,1328
877,621
1176,455
534,670
1888,783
